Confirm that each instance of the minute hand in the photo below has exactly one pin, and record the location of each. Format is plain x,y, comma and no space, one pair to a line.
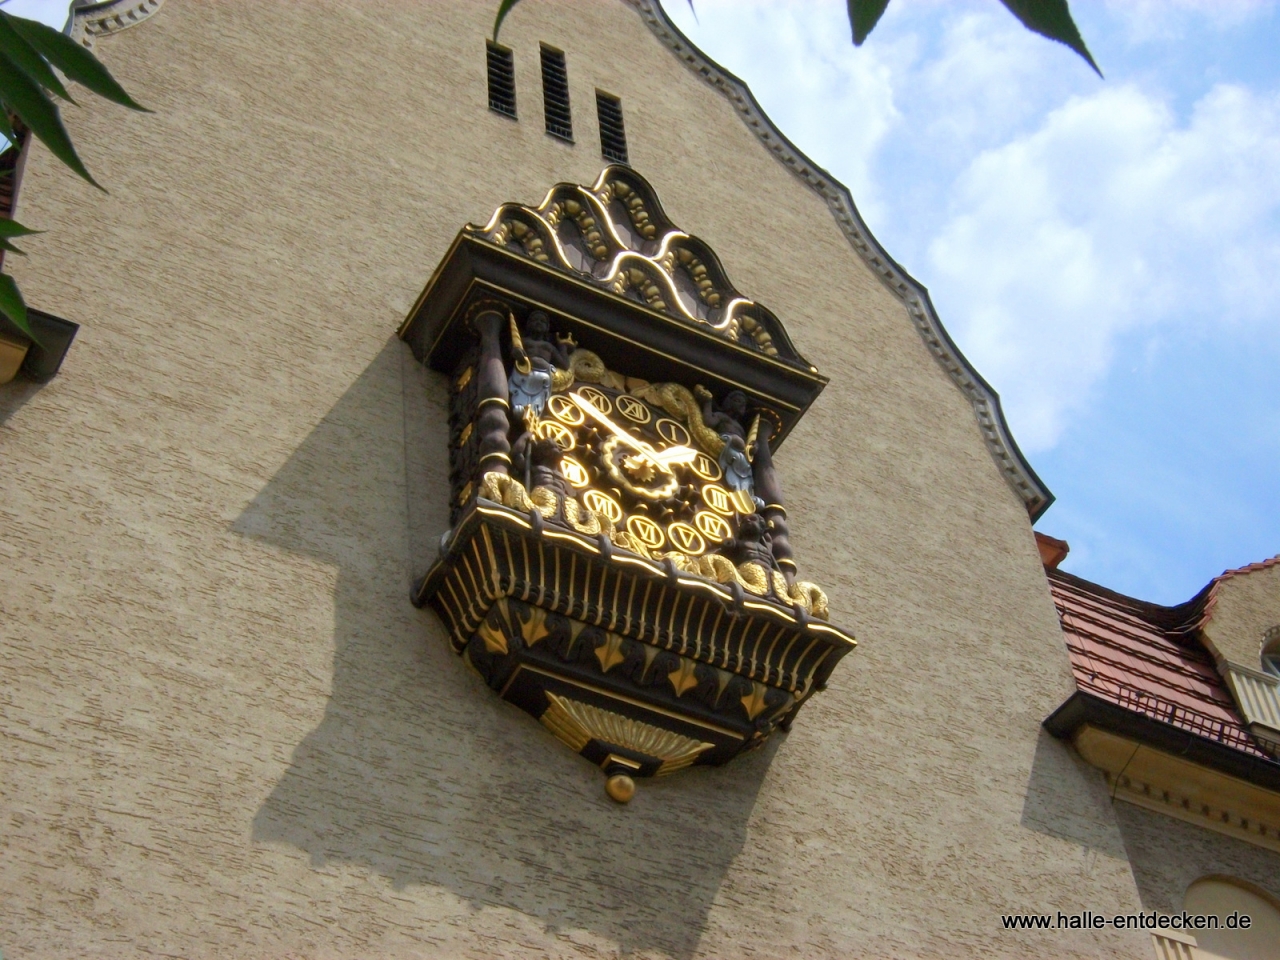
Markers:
663,460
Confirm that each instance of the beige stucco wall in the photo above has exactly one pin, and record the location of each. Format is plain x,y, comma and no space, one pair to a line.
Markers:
227,732
1247,605
1168,856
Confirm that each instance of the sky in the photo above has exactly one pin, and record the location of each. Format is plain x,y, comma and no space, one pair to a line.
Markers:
1106,252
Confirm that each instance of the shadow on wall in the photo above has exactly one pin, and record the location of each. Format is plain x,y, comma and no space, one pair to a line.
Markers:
417,770
1068,799
14,396
1168,855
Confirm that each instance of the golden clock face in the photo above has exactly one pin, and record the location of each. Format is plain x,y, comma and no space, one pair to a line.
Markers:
638,466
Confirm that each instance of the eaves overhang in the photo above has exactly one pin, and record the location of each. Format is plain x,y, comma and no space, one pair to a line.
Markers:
1082,710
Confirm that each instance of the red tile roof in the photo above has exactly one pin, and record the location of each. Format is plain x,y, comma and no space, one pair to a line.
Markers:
1149,660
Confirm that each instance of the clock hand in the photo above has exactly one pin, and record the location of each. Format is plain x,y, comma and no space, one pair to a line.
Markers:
678,454
639,446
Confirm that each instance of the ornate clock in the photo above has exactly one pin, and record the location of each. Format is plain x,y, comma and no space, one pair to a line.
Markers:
618,563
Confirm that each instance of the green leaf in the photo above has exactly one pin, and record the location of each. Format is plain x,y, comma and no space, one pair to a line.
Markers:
24,97
6,128
1052,19
13,306
6,245
12,228
74,60
28,58
503,9
863,16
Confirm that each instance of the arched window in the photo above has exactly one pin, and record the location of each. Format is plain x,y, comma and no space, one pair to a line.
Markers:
1224,897
1271,651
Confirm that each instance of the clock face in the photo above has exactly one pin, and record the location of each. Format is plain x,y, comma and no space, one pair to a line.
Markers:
635,464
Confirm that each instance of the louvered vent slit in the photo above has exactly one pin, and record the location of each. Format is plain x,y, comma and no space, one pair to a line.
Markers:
555,94
613,135
502,79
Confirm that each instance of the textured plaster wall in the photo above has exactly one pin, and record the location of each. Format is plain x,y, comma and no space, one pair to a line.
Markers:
227,732
1247,606
1169,855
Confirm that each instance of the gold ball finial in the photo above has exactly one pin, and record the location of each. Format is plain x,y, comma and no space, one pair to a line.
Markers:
620,788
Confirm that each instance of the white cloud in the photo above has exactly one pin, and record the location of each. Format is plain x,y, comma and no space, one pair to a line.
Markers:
1110,217
822,92
1146,21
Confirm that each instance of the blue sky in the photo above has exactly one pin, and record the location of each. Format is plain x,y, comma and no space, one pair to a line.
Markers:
1106,252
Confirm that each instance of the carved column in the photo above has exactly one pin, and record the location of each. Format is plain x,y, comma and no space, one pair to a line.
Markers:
769,489
493,407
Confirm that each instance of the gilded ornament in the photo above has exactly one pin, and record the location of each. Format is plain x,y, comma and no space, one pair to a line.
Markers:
535,628
562,435
620,788
706,468
566,411
712,526
575,473
646,531
686,539
577,724
754,702
671,431
609,653
638,412
683,678
719,499
597,399
602,504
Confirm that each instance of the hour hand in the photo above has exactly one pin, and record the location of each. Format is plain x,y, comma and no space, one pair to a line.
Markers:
677,454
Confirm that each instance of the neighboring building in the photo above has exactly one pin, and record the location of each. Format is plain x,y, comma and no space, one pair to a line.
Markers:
229,732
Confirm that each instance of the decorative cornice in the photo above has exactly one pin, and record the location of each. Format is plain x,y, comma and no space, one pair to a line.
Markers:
92,20
616,235
1178,788
986,402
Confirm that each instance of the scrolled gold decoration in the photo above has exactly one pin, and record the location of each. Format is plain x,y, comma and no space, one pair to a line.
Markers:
577,724
754,579
680,402
510,492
